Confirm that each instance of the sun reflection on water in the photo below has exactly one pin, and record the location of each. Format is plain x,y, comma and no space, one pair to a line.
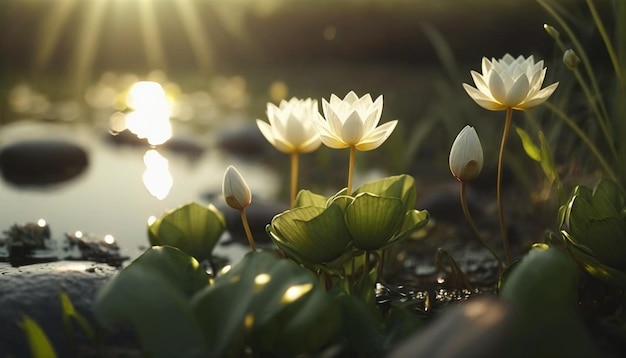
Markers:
150,117
157,178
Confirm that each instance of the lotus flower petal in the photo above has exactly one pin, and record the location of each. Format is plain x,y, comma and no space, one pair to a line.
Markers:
353,121
510,82
291,128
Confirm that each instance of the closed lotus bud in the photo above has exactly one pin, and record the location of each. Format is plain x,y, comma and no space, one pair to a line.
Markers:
466,155
551,31
236,191
570,59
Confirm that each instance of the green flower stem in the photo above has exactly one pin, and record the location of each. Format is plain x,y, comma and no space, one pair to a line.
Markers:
246,228
380,263
472,226
605,38
580,51
295,159
503,233
595,101
351,168
366,264
607,168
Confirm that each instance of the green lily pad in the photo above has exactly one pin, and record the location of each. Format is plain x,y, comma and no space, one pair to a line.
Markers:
313,235
308,198
152,294
398,186
595,267
192,228
373,220
271,304
595,220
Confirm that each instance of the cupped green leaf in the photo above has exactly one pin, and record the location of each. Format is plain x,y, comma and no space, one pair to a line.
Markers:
595,220
413,221
399,186
192,228
308,198
594,266
316,235
373,220
269,304
152,294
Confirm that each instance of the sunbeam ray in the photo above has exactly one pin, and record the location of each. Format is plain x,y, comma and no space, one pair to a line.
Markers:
155,56
88,40
195,33
50,31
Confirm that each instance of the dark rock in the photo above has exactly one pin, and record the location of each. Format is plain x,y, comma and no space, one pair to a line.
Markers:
23,239
243,139
41,162
443,203
476,328
33,291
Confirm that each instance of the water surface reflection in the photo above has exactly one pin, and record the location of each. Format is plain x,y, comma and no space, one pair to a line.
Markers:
122,186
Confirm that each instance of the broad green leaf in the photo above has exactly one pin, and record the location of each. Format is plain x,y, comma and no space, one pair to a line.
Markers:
413,221
268,303
530,148
40,346
373,220
595,267
362,326
594,220
399,186
152,294
314,234
192,228
542,289
308,198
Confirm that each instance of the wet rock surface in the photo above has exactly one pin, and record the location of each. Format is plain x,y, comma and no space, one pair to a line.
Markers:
39,162
33,291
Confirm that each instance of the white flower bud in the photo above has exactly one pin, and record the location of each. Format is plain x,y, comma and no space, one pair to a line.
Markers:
466,155
570,59
551,31
236,192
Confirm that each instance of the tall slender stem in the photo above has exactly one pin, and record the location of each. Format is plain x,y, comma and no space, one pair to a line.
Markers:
246,228
585,138
605,38
503,233
472,226
351,168
295,156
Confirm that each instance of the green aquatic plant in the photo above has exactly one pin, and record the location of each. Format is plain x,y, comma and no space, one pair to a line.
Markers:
593,227
193,228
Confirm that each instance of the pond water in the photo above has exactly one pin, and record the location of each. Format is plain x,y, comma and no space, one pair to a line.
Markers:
125,182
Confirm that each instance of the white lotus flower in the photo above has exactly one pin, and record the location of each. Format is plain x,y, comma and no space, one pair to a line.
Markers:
236,192
510,83
290,127
352,122
466,155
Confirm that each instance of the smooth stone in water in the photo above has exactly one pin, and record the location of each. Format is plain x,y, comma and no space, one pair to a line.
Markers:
41,162
33,290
